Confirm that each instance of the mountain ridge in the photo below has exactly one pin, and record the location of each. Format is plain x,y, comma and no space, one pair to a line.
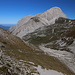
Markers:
30,23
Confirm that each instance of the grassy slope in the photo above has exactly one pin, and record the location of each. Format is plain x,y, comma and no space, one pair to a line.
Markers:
39,58
18,49
11,41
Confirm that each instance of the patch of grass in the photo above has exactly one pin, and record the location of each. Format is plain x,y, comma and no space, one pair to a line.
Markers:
71,33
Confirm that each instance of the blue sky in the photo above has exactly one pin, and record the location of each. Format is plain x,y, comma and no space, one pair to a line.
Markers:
13,10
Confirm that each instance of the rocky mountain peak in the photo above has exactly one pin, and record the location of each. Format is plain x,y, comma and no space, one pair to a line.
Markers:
54,9
30,23
53,13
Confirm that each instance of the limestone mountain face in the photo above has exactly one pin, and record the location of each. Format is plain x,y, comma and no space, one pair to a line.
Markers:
20,23
30,23
52,14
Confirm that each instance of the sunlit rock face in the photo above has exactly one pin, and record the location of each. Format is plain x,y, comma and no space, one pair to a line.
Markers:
30,23
52,14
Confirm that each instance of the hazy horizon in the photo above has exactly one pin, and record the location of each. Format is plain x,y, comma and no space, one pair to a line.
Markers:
7,24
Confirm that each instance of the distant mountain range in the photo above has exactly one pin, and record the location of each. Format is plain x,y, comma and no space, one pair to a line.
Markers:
6,26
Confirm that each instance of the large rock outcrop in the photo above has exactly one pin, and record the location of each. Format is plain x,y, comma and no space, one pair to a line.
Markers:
30,23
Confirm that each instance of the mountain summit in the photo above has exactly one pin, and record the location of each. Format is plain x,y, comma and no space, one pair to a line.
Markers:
30,23
52,13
